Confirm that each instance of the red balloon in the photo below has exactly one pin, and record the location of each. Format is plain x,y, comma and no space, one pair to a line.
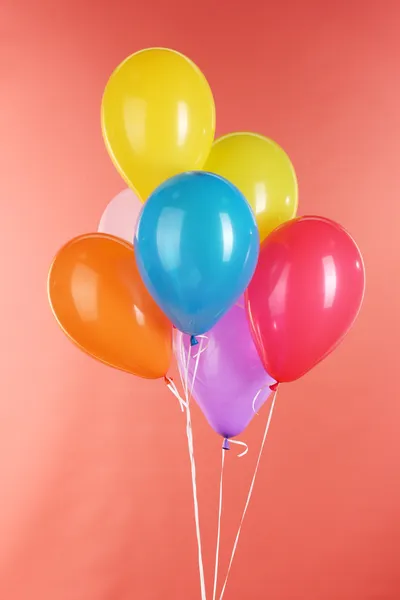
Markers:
305,295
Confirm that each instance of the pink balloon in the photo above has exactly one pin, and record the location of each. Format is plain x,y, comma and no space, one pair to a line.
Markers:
121,215
305,295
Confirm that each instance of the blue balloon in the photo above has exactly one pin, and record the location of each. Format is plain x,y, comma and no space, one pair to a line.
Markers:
196,247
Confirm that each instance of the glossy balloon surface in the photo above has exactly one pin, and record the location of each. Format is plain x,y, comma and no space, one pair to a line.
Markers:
196,246
158,118
305,295
100,302
262,171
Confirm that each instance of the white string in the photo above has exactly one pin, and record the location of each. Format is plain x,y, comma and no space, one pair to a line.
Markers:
239,443
224,449
195,501
255,399
189,434
171,385
201,350
219,525
264,387
249,494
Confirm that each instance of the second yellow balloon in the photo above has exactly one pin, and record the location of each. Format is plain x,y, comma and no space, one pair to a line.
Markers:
158,118
263,173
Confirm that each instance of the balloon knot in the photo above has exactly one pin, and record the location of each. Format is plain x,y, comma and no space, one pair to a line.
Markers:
167,380
274,386
193,340
225,444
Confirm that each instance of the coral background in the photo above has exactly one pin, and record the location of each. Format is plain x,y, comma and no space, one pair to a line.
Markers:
95,496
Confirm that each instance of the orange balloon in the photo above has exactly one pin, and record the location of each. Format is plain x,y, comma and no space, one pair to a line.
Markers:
101,303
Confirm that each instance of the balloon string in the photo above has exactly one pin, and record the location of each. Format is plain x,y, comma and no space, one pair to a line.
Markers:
201,349
196,364
264,387
224,449
219,524
189,433
249,494
243,444
195,501
171,385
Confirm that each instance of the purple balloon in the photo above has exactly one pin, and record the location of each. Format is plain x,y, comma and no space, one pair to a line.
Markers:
231,383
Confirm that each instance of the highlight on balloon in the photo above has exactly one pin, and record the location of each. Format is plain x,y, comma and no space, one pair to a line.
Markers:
202,260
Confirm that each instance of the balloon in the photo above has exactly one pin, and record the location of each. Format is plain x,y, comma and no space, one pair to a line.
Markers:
196,246
263,173
158,118
305,295
121,215
229,376
100,302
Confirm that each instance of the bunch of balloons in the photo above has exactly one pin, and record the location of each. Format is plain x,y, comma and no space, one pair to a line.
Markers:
205,240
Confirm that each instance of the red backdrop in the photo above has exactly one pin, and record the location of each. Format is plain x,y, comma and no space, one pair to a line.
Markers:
95,490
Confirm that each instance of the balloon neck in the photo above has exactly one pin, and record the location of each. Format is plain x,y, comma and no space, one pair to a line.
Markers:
193,340
274,387
225,444
167,380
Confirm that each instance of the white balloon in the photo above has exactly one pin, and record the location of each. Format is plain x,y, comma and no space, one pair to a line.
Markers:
121,215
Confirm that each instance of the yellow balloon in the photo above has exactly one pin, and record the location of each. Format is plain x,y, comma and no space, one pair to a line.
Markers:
263,173
158,118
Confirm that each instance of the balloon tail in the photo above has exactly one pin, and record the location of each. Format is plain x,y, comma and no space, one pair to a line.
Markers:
255,400
248,496
225,446
193,340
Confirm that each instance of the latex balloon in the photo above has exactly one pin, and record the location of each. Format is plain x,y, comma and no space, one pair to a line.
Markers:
158,118
305,295
231,384
121,215
100,302
196,246
263,173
